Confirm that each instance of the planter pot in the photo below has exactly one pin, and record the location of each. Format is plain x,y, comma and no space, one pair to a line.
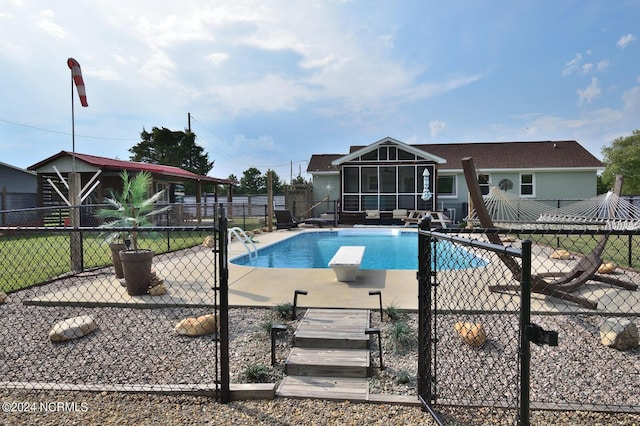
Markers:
116,248
136,265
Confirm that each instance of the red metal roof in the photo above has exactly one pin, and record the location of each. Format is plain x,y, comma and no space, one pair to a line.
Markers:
110,163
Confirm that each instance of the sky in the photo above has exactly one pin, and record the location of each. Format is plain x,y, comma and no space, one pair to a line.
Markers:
269,83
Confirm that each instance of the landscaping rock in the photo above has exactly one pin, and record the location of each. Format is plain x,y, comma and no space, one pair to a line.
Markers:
209,241
471,334
561,255
158,290
607,268
3,297
205,324
72,328
619,333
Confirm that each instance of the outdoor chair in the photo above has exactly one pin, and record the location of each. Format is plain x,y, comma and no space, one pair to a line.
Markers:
285,220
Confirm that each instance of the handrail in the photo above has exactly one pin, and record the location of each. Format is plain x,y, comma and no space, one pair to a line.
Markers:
243,238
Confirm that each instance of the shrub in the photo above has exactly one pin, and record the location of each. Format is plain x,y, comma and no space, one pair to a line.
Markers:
404,377
393,312
266,325
256,373
284,309
401,335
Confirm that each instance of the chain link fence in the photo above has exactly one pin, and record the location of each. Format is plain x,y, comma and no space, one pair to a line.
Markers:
71,320
584,286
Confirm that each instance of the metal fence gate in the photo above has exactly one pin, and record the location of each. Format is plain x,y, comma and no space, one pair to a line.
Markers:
474,343
53,275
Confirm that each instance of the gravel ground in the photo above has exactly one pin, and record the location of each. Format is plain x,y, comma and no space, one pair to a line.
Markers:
139,346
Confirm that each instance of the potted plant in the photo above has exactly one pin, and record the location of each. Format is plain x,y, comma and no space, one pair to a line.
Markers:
132,208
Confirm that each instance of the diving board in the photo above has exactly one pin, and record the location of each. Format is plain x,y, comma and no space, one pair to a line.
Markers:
346,262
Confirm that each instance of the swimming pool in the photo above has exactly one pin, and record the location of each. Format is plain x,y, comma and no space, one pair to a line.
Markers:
385,249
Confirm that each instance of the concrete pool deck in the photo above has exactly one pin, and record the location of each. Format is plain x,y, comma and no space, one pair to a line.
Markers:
267,287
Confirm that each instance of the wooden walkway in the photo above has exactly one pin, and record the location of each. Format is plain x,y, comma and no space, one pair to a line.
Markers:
330,358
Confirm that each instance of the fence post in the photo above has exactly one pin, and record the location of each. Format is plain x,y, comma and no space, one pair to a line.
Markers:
525,319
424,305
223,306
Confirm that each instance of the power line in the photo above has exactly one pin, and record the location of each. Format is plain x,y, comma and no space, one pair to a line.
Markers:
65,133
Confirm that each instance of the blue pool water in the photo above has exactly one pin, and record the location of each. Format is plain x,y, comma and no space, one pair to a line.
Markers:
385,249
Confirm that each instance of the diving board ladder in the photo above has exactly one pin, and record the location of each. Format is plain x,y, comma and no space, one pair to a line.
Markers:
246,241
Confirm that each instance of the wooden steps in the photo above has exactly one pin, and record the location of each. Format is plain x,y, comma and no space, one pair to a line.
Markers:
328,362
333,328
329,388
330,358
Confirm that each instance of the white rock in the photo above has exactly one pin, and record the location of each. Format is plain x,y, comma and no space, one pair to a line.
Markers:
619,333
72,328
3,297
205,324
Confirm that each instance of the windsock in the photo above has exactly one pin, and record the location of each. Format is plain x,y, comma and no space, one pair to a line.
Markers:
76,73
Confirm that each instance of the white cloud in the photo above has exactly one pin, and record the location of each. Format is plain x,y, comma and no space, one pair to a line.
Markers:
436,127
573,65
590,93
602,65
625,40
45,21
217,58
576,66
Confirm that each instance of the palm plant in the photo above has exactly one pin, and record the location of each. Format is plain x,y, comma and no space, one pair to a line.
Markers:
131,207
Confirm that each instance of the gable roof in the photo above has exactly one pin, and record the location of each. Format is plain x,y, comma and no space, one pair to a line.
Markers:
109,163
354,153
18,169
488,155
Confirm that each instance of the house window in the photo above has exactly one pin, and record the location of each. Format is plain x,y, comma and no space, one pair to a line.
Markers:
404,155
388,179
369,156
351,203
447,186
387,202
483,181
382,153
369,179
385,187
351,179
526,185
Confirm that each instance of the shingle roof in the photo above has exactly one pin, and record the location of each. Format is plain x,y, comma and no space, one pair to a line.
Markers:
492,155
110,163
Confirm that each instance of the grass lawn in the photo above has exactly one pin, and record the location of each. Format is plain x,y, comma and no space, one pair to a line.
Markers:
35,258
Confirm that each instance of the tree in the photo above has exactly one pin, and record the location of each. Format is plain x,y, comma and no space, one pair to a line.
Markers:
277,186
252,182
300,183
623,158
172,148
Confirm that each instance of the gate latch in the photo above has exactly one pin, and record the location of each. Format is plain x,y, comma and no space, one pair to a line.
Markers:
540,336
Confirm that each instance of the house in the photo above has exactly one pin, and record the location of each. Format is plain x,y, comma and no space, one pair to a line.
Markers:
50,170
17,191
390,174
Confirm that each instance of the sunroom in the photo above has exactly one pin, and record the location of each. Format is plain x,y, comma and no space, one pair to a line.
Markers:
388,175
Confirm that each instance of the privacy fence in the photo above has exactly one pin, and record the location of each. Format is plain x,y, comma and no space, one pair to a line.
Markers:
70,320
529,319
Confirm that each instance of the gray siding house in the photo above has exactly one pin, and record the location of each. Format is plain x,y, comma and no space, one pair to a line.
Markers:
389,174
18,187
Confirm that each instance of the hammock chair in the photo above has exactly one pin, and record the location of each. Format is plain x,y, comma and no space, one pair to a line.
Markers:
562,287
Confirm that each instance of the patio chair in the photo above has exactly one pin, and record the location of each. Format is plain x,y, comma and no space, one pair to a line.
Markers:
285,220
562,287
